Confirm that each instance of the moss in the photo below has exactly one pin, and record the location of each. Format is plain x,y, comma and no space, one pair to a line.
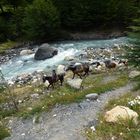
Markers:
6,45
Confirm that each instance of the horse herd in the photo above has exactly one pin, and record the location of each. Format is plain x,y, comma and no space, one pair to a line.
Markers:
80,69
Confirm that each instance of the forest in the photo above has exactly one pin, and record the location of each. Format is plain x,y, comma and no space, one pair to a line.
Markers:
48,19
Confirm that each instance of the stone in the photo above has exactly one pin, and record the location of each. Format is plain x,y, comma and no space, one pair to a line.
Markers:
134,73
46,84
35,95
69,58
29,108
60,69
92,96
26,52
120,112
45,52
75,83
92,128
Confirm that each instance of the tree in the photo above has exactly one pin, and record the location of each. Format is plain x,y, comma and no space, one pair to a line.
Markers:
41,20
134,53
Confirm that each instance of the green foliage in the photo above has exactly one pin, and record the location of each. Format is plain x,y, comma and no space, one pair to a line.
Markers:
41,20
6,45
134,52
90,13
5,29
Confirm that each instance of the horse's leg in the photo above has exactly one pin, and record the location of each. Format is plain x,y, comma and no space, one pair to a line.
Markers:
73,75
61,82
48,86
79,75
53,85
85,73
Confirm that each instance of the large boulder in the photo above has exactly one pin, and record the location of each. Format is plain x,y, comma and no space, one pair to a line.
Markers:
26,52
134,73
75,83
120,112
45,52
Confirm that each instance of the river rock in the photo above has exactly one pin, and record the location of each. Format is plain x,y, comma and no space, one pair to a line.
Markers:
134,73
69,58
26,52
60,69
92,96
23,79
45,52
75,83
120,112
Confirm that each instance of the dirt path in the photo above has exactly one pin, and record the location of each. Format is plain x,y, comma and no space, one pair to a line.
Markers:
63,122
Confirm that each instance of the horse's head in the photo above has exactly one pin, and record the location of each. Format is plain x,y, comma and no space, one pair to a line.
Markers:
97,64
67,68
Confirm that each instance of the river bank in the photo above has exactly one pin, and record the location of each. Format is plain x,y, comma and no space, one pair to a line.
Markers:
68,51
13,49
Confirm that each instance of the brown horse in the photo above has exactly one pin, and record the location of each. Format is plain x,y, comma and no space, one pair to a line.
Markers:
78,69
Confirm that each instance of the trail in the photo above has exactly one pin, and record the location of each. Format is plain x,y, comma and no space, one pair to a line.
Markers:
64,122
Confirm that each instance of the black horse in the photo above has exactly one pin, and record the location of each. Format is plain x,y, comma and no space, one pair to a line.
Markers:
53,79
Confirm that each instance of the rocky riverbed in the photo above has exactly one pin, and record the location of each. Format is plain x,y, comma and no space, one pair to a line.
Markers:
20,62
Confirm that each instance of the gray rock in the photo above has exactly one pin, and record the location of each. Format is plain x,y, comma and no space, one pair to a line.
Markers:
69,58
45,52
134,74
121,112
26,52
75,83
35,95
92,96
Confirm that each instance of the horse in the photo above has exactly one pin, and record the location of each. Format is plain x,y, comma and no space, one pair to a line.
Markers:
53,79
78,68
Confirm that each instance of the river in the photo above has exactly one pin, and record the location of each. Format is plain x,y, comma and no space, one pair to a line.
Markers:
27,64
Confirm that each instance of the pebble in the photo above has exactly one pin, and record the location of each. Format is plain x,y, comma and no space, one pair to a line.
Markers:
98,101
35,95
54,115
23,134
93,128
92,96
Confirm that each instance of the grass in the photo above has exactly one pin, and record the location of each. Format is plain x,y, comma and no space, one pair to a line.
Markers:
6,45
137,79
60,95
66,94
3,132
124,130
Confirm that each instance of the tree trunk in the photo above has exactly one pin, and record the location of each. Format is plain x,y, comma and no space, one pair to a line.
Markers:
1,9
